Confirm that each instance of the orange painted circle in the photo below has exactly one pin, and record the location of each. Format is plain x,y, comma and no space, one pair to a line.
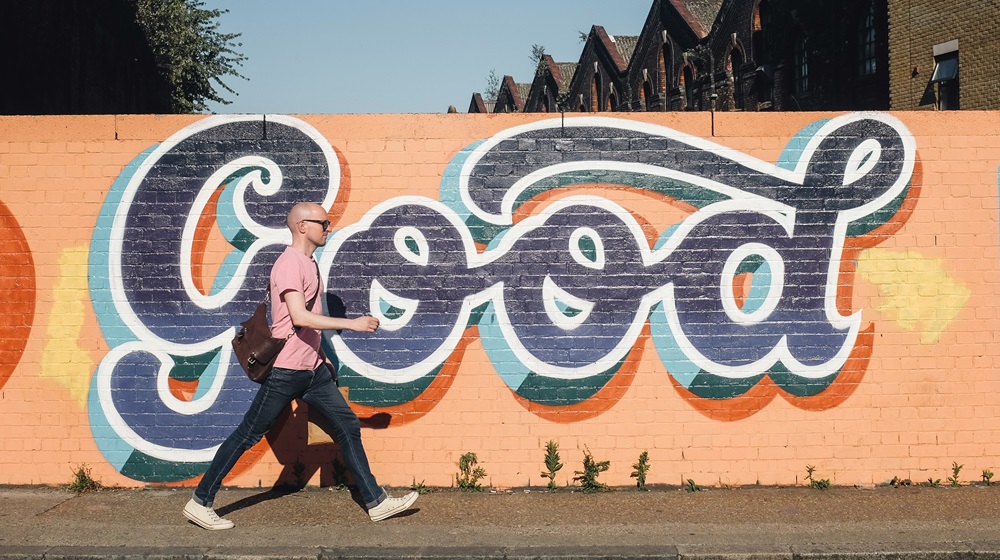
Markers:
17,298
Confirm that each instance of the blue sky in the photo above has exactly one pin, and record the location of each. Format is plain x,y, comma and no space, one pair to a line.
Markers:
400,56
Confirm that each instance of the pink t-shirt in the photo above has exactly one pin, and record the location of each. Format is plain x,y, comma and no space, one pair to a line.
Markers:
295,272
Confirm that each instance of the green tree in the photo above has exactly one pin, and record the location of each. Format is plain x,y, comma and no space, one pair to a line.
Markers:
537,56
190,52
492,90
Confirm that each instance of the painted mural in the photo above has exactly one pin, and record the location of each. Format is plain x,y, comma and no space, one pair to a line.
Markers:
745,293
17,298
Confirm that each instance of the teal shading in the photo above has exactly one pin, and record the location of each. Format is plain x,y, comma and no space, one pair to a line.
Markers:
760,282
526,382
225,214
390,311
567,310
113,328
373,393
500,354
116,450
864,225
716,387
800,386
678,366
191,368
792,154
412,245
564,392
588,248
145,468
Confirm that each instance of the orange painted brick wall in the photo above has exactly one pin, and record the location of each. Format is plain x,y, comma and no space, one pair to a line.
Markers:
853,331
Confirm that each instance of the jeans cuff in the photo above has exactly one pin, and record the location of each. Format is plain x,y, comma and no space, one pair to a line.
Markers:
380,499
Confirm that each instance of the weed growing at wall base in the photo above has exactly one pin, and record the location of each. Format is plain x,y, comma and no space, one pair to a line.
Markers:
821,484
83,481
469,474
591,470
691,486
987,477
552,463
955,469
641,468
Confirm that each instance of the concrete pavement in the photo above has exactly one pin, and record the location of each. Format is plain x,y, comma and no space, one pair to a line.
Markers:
753,523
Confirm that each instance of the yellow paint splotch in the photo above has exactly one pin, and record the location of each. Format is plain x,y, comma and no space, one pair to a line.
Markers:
916,291
63,359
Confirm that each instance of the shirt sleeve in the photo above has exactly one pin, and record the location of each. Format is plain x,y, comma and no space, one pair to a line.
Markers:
286,276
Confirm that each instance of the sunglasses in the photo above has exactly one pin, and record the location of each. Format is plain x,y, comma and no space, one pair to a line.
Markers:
324,223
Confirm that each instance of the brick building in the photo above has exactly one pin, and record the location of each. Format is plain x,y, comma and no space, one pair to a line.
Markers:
550,87
784,55
598,83
511,96
944,58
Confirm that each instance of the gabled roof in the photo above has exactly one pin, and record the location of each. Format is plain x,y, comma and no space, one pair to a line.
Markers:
704,11
564,73
626,46
477,105
608,42
517,92
699,15
522,90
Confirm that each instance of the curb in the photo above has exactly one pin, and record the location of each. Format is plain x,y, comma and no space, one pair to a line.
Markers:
949,551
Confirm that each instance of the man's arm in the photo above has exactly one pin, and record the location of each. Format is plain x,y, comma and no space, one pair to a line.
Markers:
302,317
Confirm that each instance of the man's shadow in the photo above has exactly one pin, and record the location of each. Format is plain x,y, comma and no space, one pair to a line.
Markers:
290,437
289,440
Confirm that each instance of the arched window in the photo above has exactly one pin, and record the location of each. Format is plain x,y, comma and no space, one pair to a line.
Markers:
687,82
613,101
800,53
867,60
736,70
761,23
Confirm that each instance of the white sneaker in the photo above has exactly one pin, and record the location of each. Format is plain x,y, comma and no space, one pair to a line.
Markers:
205,517
392,506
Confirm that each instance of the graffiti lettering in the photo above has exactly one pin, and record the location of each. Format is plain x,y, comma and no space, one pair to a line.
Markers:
750,284
565,294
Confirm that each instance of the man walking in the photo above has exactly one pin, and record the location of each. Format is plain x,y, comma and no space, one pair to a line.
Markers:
300,370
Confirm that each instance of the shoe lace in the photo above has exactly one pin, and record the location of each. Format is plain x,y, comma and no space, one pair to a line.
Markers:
212,515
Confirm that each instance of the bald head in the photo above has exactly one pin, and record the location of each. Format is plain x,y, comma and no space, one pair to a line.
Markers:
305,211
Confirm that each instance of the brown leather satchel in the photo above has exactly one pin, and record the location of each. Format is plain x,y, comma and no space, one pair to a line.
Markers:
253,344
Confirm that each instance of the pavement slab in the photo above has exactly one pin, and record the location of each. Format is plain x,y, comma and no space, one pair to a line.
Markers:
745,523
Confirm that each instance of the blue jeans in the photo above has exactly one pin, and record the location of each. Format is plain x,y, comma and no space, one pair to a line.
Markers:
318,389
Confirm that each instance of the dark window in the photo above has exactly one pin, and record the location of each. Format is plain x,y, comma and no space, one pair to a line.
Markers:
945,77
760,27
647,94
688,79
801,65
866,43
736,66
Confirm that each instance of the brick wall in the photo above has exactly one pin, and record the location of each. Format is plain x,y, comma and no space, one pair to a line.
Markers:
915,27
743,297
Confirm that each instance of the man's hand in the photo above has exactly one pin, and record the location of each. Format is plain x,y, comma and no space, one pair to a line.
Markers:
365,323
